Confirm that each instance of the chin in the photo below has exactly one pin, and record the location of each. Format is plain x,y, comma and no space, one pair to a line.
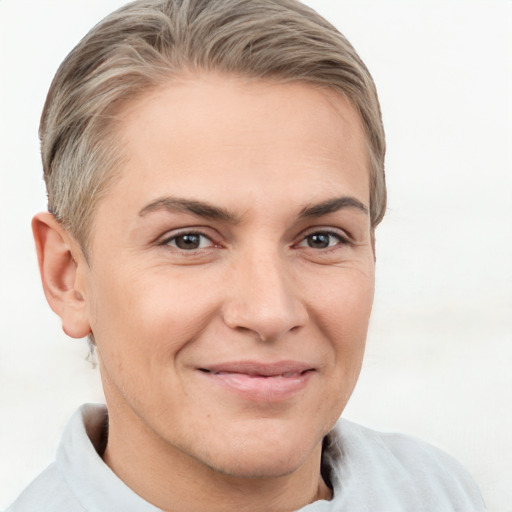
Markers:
259,466
271,455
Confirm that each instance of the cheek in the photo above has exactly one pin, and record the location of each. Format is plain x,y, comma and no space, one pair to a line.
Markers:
343,313
149,314
344,304
141,325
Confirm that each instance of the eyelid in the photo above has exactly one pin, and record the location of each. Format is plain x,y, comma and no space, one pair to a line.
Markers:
190,230
173,242
342,235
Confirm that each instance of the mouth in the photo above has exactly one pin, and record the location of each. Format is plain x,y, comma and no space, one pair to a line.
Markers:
261,382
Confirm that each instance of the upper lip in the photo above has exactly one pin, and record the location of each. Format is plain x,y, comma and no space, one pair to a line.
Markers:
265,369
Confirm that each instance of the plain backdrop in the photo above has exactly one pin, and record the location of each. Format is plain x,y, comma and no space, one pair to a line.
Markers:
439,358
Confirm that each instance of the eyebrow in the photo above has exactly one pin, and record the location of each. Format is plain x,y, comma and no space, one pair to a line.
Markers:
210,211
199,208
333,205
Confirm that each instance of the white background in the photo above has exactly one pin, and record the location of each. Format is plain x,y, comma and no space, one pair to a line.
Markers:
439,358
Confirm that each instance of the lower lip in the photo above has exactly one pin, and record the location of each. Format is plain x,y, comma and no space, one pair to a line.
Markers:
259,388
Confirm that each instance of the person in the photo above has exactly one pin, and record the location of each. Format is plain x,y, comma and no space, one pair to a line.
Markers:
215,176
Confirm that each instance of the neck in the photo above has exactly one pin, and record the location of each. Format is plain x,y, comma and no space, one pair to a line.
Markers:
172,480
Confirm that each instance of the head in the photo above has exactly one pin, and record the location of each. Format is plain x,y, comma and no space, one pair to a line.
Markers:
215,176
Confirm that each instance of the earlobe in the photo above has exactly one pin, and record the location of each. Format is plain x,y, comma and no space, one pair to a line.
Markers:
61,263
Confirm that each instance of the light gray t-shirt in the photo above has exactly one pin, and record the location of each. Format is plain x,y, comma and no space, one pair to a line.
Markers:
369,472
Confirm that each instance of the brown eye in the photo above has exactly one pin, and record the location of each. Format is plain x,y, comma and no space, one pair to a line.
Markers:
321,240
189,241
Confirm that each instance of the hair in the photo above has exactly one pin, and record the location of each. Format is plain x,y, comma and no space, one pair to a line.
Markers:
146,43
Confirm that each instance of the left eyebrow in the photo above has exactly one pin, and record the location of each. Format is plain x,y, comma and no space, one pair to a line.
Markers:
333,205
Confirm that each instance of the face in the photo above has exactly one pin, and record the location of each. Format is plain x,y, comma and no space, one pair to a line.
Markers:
231,272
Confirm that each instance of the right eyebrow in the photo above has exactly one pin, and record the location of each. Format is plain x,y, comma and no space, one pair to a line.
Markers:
198,208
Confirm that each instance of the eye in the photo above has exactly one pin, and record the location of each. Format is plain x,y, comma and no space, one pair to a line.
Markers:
322,240
189,241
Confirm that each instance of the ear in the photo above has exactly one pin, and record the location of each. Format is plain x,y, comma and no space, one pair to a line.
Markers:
62,266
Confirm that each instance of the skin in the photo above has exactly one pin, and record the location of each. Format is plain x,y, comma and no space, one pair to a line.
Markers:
270,281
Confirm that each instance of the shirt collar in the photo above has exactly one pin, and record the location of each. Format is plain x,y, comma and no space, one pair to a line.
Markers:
93,483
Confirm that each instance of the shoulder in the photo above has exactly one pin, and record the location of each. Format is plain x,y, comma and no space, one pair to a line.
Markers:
400,469
79,480
48,492
54,490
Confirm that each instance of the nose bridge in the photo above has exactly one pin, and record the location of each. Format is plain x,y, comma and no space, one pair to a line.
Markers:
264,297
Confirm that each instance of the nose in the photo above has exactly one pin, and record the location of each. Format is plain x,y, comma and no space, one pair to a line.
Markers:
264,299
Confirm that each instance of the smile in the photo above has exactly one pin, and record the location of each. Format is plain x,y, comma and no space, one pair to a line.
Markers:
261,382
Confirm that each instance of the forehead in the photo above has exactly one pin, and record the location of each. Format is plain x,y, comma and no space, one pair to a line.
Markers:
220,137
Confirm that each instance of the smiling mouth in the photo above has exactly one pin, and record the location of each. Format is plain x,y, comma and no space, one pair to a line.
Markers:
261,383
285,375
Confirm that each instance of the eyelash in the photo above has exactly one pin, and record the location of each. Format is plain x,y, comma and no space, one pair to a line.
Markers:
341,240
193,233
